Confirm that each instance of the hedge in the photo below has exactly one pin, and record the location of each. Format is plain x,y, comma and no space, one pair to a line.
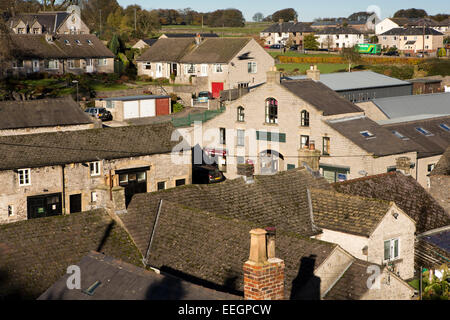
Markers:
365,60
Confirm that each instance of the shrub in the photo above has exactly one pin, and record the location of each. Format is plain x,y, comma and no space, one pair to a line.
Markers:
162,81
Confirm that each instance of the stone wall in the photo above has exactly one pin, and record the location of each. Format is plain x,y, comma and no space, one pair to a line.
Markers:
440,190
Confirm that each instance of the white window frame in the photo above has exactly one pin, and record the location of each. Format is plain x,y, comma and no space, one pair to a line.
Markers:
94,196
240,138
55,66
94,168
218,68
147,65
252,67
190,68
16,64
102,62
392,249
26,179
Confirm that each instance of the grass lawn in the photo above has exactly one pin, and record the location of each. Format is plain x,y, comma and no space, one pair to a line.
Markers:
415,284
250,28
302,67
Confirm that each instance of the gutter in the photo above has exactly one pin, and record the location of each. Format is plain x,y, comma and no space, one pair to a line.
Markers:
63,166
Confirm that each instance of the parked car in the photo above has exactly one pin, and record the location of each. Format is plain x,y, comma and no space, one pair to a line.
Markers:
205,174
392,53
294,47
99,113
204,96
276,46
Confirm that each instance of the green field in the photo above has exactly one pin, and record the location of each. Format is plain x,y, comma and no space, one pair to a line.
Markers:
275,53
250,29
302,67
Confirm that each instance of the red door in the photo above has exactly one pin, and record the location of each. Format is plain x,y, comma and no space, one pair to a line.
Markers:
162,106
216,88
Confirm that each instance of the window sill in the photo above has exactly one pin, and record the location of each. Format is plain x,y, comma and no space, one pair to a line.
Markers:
395,261
270,124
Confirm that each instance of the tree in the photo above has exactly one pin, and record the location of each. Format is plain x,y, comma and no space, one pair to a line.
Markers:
148,21
258,17
310,42
351,55
95,12
288,14
362,15
436,288
114,44
410,13
226,18
5,44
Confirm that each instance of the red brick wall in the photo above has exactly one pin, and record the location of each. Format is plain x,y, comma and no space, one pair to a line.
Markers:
264,282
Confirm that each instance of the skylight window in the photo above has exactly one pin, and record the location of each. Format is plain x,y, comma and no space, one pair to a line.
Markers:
445,127
89,42
399,135
367,134
78,42
67,42
424,132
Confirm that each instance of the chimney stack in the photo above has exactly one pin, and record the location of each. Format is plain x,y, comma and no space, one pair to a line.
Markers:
313,73
273,76
309,156
198,39
263,273
247,170
403,164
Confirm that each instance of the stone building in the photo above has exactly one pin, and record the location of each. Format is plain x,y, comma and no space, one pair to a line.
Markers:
44,115
339,38
412,40
440,181
49,22
285,32
58,54
211,64
58,173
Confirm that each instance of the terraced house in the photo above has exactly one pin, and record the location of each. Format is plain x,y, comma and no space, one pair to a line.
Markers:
211,64
58,173
411,40
217,219
283,32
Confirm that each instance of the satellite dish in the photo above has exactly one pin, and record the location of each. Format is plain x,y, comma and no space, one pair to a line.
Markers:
74,9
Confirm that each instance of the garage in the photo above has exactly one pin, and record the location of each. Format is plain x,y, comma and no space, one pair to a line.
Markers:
148,108
131,109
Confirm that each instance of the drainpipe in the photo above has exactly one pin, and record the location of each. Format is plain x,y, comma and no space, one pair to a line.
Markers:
63,190
110,185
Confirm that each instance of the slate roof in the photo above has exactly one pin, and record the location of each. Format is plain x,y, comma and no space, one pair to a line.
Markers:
215,50
29,46
51,21
353,283
207,248
442,168
347,213
411,32
124,281
184,50
289,27
56,148
339,30
36,253
319,95
407,194
384,141
427,145
415,105
277,200
429,255
170,50
41,113
150,42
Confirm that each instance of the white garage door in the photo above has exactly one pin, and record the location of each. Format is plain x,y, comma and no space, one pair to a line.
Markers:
130,109
148,108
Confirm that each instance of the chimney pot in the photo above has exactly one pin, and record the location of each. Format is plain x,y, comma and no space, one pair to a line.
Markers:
258,251
270,242
313,73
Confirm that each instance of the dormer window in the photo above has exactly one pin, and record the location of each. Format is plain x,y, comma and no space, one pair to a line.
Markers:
367,134
20,30
424,131
36,31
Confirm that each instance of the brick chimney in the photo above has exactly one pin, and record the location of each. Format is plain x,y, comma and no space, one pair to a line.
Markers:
273,76
309,156
403,164
263,275
313,73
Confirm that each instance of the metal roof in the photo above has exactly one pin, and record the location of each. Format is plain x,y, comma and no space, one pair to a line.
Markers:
132,98
429,105
342,81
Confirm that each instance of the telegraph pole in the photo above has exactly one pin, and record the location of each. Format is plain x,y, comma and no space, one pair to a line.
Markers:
100,21
135,23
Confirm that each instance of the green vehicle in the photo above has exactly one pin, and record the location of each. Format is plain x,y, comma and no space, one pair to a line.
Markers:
369,48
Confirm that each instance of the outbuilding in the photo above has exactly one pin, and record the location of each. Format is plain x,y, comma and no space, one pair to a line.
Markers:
130,107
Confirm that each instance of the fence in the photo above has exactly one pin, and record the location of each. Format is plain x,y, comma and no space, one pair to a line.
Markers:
193,117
